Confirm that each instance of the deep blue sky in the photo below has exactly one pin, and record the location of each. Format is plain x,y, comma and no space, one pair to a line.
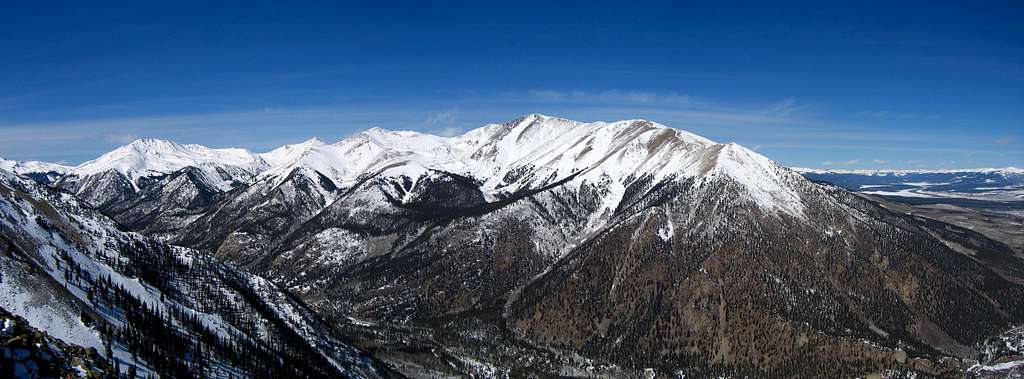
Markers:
870,84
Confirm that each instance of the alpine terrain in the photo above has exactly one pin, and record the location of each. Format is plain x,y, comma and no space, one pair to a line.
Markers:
536,247
124,303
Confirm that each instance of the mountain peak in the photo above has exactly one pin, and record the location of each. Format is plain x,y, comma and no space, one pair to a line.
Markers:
49,171
143,143
544,148
376,130
305,145
533,117
770,184
381,133
151,156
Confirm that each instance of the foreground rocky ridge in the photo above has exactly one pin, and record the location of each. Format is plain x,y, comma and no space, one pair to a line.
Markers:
550,246
27,352
150,308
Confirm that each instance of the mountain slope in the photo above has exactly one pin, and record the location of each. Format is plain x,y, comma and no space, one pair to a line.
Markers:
525,154
307,178
152,307
30,352
125,174
657,275
43,172
545,246
152,157
717,259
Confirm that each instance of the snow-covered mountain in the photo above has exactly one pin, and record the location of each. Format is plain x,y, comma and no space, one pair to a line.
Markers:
149,307
537,150
553,247
294,182
144,158
43,172
527,153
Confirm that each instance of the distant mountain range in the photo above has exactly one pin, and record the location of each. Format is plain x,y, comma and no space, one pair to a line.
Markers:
536,247
990,188
903,172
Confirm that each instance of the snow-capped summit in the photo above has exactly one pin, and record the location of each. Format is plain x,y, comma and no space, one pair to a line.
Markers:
527,153
564,146
536,150
366,152
27,167
287,153
43,172
154,157
770,183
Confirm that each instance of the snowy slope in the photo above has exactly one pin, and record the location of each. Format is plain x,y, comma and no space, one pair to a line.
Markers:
241,204
537,150
366,152
153,157
33,353
529,152
26,167
44,172
64,264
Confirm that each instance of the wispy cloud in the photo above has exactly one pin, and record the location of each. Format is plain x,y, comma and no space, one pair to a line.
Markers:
257,129
443,123
785,108
903,116
448,131
789,128
13,102
441,118
867,147
681,110
915,162
843,163
121,138
613,96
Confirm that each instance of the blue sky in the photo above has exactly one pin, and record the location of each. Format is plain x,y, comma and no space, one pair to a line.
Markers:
859,85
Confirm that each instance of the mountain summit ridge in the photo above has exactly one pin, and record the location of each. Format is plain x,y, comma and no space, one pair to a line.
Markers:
527,152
